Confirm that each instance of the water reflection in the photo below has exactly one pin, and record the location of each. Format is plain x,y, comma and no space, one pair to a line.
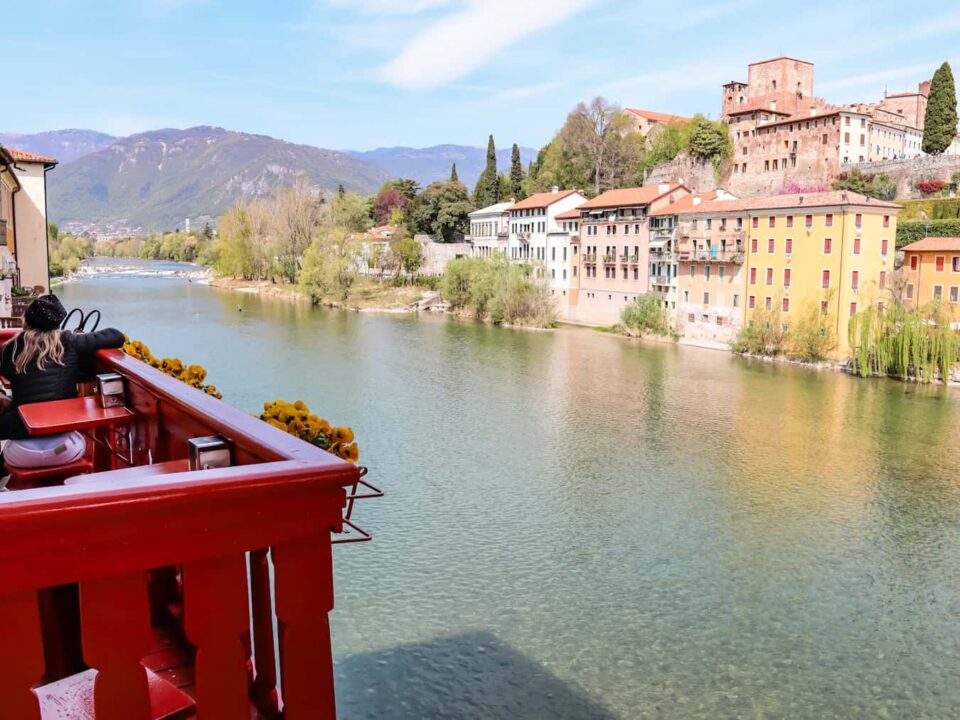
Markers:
662,531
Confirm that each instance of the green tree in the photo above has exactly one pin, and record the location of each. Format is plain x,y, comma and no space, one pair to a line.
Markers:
408,187
940,121
453,174
328,267
646,314
487,190
709,140
516,173
597,134
53,231
352,212
410,254
341,191
441,209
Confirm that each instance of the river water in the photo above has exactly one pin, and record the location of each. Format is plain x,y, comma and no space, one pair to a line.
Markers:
581,527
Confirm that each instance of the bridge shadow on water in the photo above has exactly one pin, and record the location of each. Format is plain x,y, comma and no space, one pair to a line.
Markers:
465,677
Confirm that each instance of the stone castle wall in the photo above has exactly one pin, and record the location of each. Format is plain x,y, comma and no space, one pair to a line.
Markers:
906,173
696,174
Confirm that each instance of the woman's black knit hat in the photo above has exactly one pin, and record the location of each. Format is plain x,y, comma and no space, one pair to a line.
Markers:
45,313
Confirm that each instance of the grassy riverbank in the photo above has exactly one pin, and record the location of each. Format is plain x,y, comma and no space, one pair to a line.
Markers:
367,294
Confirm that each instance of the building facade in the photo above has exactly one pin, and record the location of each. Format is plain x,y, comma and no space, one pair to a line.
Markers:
490,229
709,249
614,250
931,273
829,251
535,236
782,134
24,259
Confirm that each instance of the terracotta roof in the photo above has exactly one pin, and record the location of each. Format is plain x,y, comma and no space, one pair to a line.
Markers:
569,215
684,204
935,244
903,94
656,116
628,196
803,118
783,202
24,156
544,199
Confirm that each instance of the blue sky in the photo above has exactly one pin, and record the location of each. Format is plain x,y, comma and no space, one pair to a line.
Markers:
358,74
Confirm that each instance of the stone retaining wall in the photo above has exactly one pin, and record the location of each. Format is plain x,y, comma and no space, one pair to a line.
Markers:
906,173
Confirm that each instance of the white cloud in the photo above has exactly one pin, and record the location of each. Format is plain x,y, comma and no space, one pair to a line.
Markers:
457,44
525,91
874,80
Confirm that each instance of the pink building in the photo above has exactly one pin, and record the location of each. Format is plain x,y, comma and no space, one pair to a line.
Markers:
613,250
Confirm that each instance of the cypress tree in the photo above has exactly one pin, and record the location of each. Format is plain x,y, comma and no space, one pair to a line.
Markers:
516,173
940,121
341,191
453,174
487,191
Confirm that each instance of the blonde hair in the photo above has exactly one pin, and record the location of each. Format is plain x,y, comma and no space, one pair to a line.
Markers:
42,346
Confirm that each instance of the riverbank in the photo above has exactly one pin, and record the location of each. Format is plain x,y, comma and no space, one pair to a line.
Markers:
366,295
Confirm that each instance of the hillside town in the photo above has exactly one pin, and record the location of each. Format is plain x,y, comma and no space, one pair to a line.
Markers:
775,237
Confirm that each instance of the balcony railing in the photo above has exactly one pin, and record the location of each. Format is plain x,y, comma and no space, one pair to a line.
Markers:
589,257
720,256
661,279
176,551
610,259
624,259
524,236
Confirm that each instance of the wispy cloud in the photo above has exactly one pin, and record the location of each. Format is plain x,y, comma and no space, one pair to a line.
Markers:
389,7
459,43
873,79
526,91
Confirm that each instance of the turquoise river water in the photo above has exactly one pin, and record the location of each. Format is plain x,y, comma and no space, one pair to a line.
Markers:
582,527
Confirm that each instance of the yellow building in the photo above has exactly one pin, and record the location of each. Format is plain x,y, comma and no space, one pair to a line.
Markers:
834,250
931,269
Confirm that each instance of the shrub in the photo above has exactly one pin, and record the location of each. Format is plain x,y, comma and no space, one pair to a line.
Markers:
811,337
498,290
763,335
431,282
876,186
646,314
913,230
928,187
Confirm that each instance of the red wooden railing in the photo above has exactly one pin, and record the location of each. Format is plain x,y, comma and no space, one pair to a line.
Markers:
132,544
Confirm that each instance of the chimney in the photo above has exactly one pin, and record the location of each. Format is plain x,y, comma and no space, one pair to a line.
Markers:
697,199
554,190
663,187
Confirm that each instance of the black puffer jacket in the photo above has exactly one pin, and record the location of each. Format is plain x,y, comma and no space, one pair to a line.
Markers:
54,382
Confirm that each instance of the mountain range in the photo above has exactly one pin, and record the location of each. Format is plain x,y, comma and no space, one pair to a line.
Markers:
433,163
155,180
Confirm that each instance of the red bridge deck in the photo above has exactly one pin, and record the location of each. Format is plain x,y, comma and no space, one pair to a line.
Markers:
170,569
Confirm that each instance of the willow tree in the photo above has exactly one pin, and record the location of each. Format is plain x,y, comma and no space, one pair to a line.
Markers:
911,344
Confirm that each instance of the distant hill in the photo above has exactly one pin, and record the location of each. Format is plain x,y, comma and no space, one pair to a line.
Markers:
433,163
64,145
153,180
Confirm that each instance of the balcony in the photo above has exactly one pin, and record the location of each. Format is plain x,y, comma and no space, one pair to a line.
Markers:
624,259
661,279
589,257
609,259
718,256
166,569
633,259
524,236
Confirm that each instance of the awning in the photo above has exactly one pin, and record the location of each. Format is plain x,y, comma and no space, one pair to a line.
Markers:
657,244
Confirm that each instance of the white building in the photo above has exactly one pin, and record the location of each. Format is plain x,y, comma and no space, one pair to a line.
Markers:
489,229
25,220
537,237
